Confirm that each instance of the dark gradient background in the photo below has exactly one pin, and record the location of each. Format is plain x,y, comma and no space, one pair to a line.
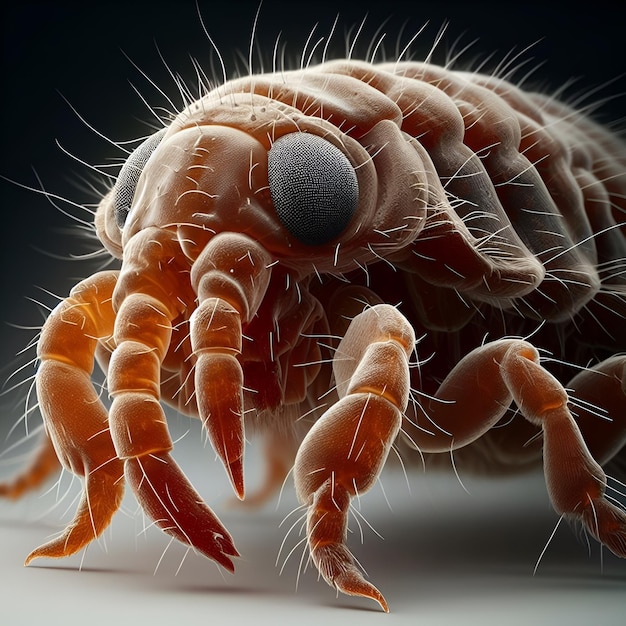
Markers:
73,50
69,50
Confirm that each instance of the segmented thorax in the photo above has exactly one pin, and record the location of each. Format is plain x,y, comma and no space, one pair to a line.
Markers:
460,180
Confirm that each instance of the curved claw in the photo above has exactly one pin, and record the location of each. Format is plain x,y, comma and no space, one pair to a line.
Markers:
347,578
101,498
607,524
166,495
327,527
235,473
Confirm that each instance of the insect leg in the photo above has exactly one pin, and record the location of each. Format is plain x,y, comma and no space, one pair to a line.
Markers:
147,297
230,277
477,393
598,397
576,482
346,449
75,418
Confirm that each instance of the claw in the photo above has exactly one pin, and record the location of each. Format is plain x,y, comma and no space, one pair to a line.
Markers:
352,583
336,565
235,473
607,524
166,495
101,498
327,528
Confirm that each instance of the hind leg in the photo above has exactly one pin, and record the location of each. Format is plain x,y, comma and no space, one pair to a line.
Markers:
479,390
598,400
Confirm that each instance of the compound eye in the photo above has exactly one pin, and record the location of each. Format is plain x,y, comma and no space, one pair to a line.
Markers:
124,190
313,186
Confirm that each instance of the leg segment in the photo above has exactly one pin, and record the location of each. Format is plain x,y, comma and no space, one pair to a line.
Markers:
344,452
76,421
576,482
147,302
229,278
601,386
475,396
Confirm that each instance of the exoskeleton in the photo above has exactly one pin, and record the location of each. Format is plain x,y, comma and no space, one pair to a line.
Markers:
285,239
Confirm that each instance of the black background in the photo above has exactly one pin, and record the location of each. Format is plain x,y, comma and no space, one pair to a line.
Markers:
58,50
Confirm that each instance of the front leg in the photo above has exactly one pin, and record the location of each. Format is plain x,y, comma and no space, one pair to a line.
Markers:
148,298
345,451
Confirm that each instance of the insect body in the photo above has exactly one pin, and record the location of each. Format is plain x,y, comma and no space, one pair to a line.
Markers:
284,241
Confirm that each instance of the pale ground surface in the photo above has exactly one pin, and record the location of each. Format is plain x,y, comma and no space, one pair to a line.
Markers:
447,558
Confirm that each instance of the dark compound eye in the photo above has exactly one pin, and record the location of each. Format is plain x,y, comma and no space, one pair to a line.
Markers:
126,183
313,185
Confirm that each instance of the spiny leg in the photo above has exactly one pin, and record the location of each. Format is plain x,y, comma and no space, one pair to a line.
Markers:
229,278
344,452
576,482
475,396
75,418
147,302
598,398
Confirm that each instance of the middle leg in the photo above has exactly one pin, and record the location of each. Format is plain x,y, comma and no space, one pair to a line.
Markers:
344,452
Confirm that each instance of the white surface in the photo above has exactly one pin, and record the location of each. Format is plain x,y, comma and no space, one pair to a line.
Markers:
447,558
